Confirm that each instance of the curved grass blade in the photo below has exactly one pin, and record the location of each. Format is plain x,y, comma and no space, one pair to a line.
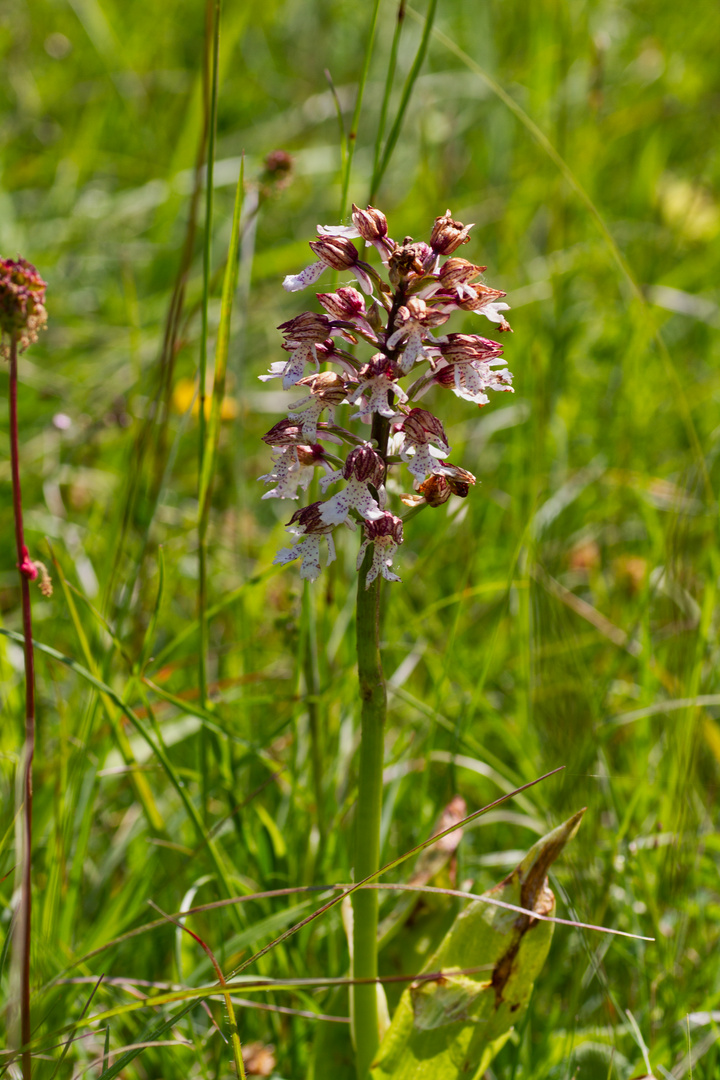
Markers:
152,625
619,259
221,605
202,376
389,79
221,349
392,864
157,749
66,1047
139,782
234,1033
394,135
352,134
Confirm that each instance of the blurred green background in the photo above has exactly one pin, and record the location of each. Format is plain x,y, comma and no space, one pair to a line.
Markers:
563,615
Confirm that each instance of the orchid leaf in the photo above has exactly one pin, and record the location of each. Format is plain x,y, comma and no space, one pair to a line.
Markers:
452,1027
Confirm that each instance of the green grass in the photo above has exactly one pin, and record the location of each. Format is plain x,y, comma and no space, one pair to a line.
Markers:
596,498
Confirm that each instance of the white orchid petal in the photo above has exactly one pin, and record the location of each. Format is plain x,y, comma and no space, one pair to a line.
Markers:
363,280
308,276
338,230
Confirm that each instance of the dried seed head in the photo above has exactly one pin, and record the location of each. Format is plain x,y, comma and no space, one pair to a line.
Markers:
459,480
277,172
371,223
364,463
422,427
387,525
435,490
407,260
336,251
22,301
448,235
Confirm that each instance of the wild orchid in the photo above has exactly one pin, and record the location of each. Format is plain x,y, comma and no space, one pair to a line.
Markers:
399,318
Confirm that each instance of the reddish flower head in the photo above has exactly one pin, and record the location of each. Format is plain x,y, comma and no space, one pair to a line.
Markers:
22,301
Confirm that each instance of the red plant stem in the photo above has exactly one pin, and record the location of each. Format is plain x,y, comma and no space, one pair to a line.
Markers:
24,569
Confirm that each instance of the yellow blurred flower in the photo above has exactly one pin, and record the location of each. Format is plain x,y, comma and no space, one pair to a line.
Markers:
185,394
688,208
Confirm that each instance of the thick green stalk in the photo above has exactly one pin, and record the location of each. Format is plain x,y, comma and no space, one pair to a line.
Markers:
373,697
312,691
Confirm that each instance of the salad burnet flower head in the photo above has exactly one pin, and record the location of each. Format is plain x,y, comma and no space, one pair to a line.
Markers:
399,316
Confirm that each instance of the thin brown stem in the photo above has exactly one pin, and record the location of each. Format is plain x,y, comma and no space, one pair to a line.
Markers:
27,572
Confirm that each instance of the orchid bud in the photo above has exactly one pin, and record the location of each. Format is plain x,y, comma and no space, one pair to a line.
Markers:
328,387
464,348
309,326
459,480
308,519
284,433
336,251
347,303
448,235
310,455
365,464
371,223
422,427
458,272
387,525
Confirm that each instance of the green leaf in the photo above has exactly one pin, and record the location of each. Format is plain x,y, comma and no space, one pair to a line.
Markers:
452,1027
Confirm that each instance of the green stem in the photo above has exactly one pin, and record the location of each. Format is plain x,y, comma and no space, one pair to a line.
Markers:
373,696
204,507
352,134
312,692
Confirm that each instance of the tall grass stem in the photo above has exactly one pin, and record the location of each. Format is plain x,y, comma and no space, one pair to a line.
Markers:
379,170
352,134
25,788
203,510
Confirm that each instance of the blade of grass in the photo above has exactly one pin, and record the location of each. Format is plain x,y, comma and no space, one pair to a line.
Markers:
202,375
389,79
620,260
352,134
139,667
393,864
137,779
234,1034
157,749
66,1047
221,353
222,605
394,135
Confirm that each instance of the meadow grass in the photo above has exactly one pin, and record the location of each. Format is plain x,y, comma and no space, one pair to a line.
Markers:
562,615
